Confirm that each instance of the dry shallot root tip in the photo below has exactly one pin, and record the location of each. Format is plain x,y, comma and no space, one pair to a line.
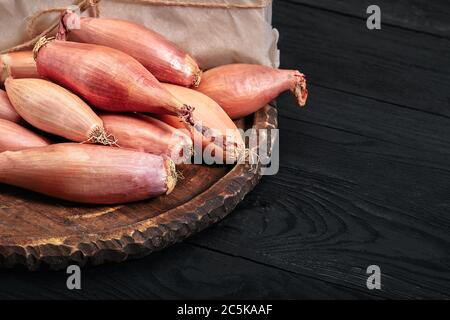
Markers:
224,142
172,176
197,79
40,44
246,157
240,150
186,115
98,135
180,175
213,137
186,155
231,147
299,90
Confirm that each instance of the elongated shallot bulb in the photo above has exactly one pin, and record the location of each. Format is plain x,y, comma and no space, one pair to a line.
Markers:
161,57
89,173
147,134
18,65
241,89
107,78
14,137
55,110
212,116
7,111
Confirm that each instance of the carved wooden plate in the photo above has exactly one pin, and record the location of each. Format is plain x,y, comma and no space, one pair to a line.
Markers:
43,233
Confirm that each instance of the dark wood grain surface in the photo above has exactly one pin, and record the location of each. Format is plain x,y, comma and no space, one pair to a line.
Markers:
429,17
364,177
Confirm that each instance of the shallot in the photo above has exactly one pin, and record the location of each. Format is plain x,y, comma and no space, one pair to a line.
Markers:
223,137
241,89
161,57
107,78
89,173
147,134
7,111
55,110
14,137
18,65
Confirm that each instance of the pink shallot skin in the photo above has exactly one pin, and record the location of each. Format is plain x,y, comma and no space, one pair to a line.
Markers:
18,65
14,137
88,173
147,134
241,89
7,111
213,118
161,57
53,109
107,78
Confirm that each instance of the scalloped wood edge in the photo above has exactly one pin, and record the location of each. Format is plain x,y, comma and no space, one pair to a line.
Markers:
147,236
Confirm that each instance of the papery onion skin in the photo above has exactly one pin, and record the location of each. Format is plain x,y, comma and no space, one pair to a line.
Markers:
161,57
14,137
242,89
55,110
147,134
89,173
18,65
7,111
107,78
212,116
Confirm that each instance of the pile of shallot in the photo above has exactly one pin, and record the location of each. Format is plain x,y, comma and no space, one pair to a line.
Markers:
102,114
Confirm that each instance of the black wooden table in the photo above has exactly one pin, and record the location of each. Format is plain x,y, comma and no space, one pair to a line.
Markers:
364,178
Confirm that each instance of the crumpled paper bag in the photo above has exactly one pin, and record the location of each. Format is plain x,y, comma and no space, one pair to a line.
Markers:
214,36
